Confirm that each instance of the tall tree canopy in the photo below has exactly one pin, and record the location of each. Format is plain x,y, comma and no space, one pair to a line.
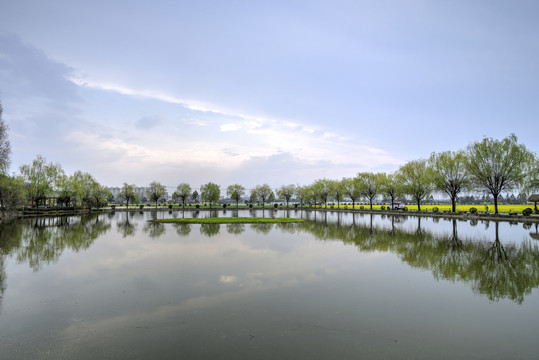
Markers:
370,185
182,192
392,186
450,174
40,179
263,193
156,191
352,188
210,193
416,177
498,165
127,193
286,192
235,192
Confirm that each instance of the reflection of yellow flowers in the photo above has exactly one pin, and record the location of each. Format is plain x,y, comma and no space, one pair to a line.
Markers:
445,207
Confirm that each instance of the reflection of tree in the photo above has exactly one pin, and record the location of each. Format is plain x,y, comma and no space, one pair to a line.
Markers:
535,235
183,229
10,240
262,228
491,269
125,227
2,279
209,229
506,271
42,240
154,229
235,228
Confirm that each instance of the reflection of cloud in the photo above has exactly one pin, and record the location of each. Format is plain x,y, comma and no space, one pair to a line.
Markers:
227,279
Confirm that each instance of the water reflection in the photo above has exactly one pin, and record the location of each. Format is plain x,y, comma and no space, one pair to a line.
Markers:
209,229
126,226
154,229
498,271
182,229
41,241
490,266
235,229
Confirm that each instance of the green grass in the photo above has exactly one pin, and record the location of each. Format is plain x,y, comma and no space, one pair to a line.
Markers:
229,220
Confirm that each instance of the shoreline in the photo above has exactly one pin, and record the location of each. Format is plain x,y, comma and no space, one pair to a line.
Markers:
518,218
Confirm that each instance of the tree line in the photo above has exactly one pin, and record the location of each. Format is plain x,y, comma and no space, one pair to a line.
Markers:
490,165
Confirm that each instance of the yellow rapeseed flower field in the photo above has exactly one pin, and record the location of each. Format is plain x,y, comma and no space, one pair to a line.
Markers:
447,207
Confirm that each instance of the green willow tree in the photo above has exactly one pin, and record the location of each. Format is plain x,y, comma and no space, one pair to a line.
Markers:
40,179
156,191
417,180
371,185
450,174
392,186
127,194
263,193
498,165
286,192
337,191
322,190
182,192
11,193
210,193
352,188
236,192
303,193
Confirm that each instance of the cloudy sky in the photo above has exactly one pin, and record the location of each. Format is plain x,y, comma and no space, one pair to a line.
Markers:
259,92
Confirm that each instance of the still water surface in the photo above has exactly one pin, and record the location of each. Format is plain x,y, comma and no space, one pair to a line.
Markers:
340,286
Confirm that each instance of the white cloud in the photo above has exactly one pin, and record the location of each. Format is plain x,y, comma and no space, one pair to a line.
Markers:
230,127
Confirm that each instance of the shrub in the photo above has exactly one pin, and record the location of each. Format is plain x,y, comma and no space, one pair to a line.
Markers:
295,205
224,206
113,207
197,206
361,207
435,209
527,212
473,210
250,206
141,206
170,206
275,205
405,208
383,207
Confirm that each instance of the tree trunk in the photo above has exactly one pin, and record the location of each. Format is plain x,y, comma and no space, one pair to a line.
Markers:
495,203
418,205
453,204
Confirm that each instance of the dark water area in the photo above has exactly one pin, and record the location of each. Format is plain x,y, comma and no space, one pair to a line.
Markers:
340,285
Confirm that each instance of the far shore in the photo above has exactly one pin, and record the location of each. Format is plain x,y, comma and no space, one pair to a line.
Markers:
534,218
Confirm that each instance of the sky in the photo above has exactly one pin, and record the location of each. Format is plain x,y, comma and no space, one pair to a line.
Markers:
253,92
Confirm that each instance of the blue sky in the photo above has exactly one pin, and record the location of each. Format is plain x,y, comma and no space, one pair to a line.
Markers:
256,92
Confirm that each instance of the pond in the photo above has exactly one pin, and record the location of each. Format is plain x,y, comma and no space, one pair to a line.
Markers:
341,285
